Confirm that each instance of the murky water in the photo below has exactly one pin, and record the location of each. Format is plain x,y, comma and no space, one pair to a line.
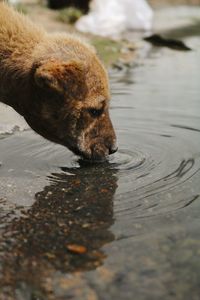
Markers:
137,215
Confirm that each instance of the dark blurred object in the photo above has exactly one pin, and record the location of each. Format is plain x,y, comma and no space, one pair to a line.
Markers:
81,4
159,41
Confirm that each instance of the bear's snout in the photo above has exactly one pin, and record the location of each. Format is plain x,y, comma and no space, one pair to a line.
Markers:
98,149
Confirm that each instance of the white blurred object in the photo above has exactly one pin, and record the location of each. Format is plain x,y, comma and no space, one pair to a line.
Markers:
13,1
112,17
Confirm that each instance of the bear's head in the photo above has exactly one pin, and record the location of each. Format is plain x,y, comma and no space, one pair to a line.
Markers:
69,105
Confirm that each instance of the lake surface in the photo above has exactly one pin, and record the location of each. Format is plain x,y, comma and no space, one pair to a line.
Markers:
136,216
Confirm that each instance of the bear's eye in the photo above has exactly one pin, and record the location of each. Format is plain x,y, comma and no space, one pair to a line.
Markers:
95,112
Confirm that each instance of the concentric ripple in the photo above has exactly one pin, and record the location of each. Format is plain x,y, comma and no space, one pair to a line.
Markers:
156,178
127,160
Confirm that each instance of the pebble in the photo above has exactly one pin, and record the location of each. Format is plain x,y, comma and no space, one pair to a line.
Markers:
78,249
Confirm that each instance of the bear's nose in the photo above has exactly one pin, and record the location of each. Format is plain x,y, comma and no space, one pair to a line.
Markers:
113,149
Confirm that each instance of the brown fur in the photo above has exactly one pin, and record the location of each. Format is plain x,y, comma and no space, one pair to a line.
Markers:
57,83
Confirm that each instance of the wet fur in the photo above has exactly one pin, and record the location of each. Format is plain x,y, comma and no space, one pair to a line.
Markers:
53,81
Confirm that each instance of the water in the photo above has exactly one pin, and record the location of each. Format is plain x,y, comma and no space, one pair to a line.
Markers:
137,215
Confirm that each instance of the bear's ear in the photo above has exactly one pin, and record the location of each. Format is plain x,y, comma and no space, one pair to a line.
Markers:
60,76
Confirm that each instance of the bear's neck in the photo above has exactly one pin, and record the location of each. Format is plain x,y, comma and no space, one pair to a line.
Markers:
18,39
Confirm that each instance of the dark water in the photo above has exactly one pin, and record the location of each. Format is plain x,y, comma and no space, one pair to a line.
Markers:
137,216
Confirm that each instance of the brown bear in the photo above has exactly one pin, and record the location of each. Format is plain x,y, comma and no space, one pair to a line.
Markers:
57,83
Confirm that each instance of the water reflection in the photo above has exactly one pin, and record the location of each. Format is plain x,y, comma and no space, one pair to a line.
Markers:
75,209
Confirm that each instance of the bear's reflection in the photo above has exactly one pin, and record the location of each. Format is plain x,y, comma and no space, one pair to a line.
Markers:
75,209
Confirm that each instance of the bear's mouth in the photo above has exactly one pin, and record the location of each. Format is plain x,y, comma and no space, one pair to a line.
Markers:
89,157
